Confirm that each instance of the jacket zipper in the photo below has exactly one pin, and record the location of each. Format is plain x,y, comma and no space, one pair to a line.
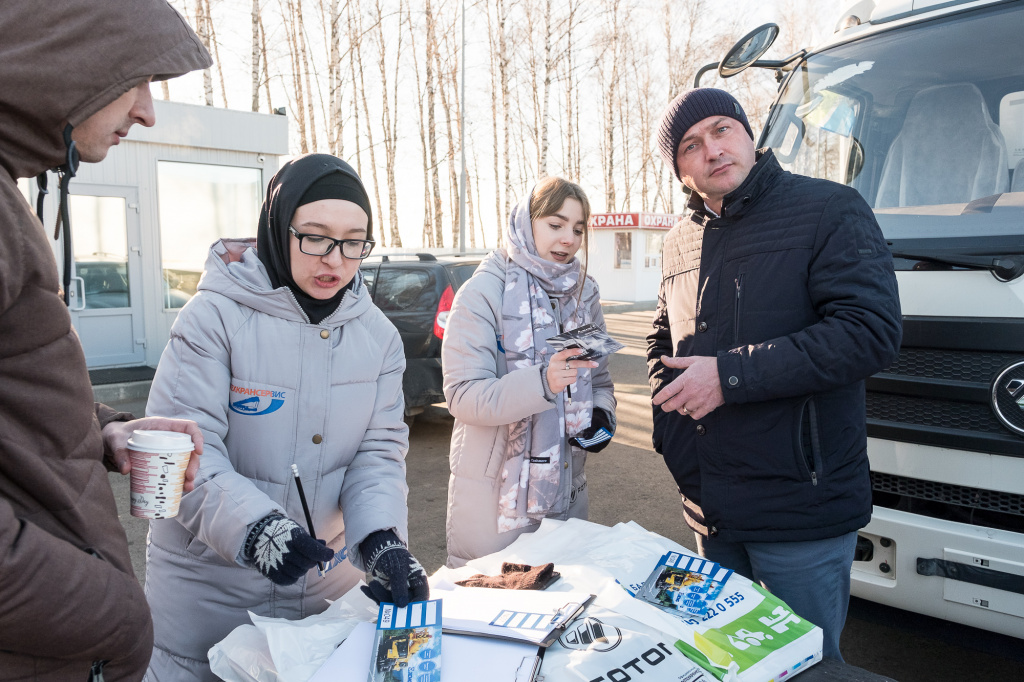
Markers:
812,413
736,310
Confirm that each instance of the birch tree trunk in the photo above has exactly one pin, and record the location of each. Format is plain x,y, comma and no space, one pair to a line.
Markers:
305,70
447,80
503,69
255,55
212,34
428,234
299,109
431,128
334,83
499,219
390,120
542,165
353,49
266,66
204,37
369,133
469,210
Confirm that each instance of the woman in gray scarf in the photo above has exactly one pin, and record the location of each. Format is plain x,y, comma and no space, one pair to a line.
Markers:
511,459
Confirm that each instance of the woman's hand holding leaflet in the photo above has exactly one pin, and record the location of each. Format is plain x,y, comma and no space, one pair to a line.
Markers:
562,371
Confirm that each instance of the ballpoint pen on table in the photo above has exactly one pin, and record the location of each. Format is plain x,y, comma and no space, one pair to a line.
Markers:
305,510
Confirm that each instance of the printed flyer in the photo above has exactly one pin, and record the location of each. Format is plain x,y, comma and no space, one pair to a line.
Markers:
407,643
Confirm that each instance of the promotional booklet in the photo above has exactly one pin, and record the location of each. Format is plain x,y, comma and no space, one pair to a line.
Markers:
685,585
592,341
407,643
533,616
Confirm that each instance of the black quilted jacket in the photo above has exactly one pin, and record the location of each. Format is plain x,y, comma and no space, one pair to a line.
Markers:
793,290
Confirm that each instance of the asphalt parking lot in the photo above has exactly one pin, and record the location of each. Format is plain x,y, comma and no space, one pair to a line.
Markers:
628,481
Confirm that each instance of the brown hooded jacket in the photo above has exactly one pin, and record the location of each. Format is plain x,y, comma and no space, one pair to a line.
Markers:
68,596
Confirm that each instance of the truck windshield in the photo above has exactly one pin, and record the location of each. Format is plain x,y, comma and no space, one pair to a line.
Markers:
926,121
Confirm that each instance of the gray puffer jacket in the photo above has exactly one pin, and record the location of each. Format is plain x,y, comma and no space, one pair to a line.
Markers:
484,400
268,390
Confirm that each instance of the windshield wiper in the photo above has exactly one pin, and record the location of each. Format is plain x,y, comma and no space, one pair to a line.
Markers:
1005,266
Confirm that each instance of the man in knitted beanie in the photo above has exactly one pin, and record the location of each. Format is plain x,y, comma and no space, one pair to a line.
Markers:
778,299
717,113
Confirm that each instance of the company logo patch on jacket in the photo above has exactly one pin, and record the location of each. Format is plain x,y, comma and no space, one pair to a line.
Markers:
255,401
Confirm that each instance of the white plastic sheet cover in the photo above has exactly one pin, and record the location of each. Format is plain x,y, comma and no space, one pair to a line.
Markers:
749,636
281,650
605,646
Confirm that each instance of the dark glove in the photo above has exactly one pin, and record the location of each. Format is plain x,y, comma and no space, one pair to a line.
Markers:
282,551
599,419
392,574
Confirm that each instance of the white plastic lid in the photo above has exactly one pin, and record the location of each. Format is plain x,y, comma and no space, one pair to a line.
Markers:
160,441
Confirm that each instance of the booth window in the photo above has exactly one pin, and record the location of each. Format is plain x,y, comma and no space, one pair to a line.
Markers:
623,250
100,246
199,204
652,251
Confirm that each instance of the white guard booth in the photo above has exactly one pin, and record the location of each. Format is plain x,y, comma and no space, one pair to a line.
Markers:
144,218
625,253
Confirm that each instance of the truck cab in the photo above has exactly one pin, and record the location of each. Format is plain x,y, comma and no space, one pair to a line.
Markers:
919,105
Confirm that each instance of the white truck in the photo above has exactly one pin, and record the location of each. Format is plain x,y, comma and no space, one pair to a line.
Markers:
919,105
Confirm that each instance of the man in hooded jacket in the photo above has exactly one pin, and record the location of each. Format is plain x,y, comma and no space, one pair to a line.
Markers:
70,606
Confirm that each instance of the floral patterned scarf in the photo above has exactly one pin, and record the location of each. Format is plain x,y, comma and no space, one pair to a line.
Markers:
533,467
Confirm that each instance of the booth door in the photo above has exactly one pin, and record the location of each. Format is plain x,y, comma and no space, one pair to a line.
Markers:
106,289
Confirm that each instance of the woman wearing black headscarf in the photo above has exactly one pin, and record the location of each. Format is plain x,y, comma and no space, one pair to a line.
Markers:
282,360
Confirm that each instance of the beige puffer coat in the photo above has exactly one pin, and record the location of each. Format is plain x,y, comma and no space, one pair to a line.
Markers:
484,400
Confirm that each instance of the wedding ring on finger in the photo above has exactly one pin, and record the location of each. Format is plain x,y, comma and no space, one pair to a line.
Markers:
685,412
567,367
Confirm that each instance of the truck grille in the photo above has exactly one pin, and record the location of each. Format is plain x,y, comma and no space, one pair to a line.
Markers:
946,493
956,365
936,413
938,391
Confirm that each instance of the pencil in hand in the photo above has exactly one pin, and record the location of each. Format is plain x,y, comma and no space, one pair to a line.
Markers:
305,510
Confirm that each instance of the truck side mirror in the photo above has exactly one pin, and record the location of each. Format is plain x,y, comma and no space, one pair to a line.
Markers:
748,50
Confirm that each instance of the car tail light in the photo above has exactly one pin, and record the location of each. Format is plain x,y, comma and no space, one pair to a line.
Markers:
441,319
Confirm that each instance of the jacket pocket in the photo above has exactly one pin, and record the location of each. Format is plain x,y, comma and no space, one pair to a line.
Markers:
497,453
261,428
809,440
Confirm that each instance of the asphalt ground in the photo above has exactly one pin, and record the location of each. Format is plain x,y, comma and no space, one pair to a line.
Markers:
628,481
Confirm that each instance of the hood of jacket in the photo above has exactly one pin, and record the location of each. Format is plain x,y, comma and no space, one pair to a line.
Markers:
64,61
234,270
495,263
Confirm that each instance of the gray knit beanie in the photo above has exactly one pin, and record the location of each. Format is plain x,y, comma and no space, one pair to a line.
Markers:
690,108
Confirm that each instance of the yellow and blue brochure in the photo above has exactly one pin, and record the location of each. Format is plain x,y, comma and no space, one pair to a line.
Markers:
684,585
407,644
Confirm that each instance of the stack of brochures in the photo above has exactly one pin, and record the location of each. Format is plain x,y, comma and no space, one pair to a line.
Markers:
532,616
592,341
684,585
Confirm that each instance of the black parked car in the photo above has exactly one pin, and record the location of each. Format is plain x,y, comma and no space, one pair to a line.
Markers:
416,293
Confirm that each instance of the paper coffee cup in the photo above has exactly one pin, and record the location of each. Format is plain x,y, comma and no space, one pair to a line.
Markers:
159,460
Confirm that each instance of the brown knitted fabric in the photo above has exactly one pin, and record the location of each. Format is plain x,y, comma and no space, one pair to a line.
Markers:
515,577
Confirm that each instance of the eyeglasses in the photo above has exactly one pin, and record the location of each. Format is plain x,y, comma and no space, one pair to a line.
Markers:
319,245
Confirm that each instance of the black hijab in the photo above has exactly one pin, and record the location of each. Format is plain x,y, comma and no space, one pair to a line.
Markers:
300,181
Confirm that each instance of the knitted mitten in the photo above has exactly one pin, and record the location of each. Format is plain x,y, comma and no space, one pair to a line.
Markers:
281,550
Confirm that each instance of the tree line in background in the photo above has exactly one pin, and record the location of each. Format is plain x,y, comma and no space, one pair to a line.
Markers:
574,88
